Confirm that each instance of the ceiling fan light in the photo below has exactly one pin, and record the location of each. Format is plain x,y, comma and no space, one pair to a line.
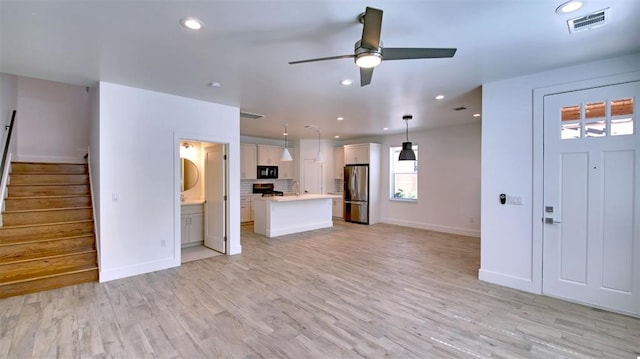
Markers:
368,60
407,153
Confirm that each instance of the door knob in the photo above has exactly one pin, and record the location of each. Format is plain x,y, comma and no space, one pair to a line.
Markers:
549,220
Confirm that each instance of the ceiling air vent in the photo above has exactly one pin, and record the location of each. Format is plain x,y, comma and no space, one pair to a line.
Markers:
249,115
593,20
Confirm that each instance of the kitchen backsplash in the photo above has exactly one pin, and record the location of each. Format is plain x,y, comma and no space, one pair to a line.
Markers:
284,185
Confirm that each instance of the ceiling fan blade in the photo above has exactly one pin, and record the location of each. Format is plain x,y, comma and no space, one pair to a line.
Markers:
365,76
401,53
371,29
323,59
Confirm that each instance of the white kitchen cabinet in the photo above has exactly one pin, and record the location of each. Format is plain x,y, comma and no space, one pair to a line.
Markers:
269,155
253,205
245,208
192,224
336,210
248,161
338,163
357,154
285,168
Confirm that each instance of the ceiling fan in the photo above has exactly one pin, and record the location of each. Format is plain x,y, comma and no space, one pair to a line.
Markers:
369,52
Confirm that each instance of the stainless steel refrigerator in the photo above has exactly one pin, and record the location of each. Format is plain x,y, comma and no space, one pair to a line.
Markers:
356,193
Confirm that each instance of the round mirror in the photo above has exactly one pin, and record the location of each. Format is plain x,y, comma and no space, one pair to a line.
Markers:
189,174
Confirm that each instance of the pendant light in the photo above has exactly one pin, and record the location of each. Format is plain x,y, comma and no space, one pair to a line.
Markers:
286,156
319,155
407,153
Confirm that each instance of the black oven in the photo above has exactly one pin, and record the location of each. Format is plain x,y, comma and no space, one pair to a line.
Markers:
267,172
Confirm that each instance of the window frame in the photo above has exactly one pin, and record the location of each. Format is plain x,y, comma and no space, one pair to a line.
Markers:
394,152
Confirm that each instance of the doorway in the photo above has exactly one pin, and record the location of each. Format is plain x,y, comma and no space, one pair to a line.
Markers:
203,207
591,181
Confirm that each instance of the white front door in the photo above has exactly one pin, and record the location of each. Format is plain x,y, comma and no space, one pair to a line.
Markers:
215,194
591,244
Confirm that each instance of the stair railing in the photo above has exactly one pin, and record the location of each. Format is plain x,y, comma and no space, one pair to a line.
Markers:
4,168
9,129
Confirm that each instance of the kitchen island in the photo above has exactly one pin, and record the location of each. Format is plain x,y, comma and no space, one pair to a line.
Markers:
277,216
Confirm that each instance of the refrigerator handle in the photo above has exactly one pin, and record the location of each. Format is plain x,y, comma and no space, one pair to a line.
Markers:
355,184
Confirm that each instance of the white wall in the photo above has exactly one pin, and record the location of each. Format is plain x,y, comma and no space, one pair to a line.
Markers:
309,151
139,140
448,181
54,121
511,249
8,103
94,160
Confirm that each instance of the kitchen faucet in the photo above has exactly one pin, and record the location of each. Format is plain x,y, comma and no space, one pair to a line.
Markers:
295,188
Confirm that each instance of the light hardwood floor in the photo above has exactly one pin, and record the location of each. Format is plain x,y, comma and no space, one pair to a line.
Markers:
350,291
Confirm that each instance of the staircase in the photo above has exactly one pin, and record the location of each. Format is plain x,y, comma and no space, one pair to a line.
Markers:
47,237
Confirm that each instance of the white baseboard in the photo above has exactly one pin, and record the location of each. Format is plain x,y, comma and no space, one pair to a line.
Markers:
137,269
434,227
523,284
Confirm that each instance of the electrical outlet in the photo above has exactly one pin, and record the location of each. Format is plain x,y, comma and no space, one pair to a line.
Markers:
163,243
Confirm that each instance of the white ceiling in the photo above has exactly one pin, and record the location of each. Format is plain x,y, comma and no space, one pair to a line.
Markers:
246,47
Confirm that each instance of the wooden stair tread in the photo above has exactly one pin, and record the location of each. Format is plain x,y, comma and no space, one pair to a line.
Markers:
16,242
27,173
52,274
46,184
51,197
49,163
48,238
42,284
43,266
50,256
45,210
45,224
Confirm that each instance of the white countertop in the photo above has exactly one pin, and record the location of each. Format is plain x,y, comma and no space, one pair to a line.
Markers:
302,197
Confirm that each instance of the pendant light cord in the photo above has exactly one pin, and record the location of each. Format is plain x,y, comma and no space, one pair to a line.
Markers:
407,123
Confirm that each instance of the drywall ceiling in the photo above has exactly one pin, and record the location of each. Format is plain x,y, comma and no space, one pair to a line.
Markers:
246,46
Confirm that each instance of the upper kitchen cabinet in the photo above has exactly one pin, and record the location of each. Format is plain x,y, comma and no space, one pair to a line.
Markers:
357,154
269,155
338,163
285,168
248,161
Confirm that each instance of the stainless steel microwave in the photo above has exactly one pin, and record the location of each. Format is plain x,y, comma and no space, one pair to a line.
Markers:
267,172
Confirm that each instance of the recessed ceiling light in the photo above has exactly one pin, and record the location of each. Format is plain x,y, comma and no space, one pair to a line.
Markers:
340,118
346,82
476,115
191,23
336,136
214,84
385,129
439,97
569,6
